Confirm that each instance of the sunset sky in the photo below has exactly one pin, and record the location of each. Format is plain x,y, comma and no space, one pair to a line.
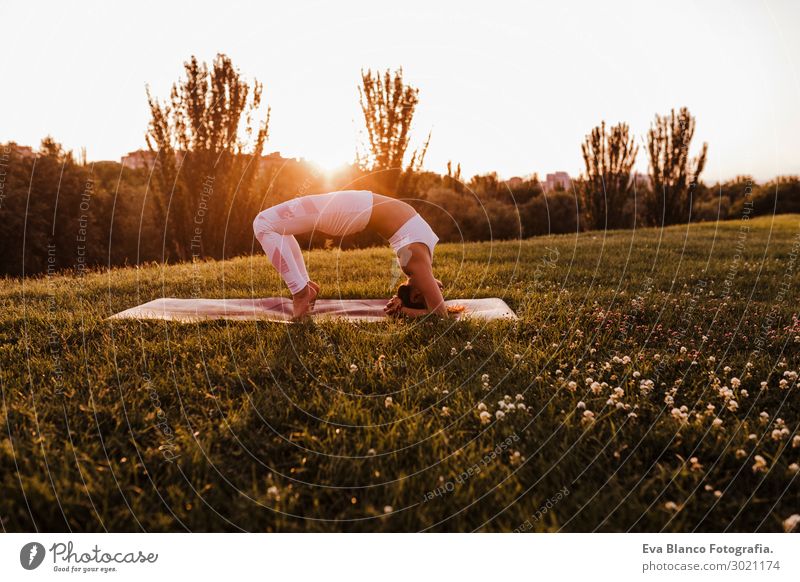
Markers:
505,86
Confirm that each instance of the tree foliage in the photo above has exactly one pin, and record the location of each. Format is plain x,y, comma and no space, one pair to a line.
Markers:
609,158
673,175
205,172
388,104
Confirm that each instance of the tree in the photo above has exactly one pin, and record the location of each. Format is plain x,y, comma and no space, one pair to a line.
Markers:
673,175
609,158
204,175
388,105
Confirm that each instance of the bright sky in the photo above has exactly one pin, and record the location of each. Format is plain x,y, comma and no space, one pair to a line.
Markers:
505,86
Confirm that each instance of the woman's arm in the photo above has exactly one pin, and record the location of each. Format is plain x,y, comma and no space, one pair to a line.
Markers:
422,278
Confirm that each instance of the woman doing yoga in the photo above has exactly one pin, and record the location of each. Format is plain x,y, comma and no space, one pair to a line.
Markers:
344,213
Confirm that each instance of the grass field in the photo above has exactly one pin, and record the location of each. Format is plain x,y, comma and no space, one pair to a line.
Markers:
655,369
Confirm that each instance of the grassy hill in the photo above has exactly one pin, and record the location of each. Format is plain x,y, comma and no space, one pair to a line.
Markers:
638,360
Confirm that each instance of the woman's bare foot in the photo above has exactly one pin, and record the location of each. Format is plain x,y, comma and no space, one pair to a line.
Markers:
314,286
303,302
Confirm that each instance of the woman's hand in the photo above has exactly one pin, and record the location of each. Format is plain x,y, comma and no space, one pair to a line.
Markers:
394,307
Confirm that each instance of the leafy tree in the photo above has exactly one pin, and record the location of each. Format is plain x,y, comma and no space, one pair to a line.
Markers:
609,158
388,105
204,175
674,176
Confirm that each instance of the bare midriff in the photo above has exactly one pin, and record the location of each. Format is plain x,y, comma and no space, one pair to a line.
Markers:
388,215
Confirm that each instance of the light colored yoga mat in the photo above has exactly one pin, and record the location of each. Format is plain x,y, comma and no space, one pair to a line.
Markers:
280,309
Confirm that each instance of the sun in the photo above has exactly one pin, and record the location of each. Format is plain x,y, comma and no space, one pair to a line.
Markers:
329,163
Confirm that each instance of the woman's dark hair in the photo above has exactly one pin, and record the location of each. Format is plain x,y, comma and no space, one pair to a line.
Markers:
404,293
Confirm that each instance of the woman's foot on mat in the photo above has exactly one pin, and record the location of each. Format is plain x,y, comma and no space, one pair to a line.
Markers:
303,302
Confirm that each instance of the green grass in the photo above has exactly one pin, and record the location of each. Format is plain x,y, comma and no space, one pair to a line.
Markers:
158,426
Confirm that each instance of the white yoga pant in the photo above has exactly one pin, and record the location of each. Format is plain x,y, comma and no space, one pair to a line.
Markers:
334,214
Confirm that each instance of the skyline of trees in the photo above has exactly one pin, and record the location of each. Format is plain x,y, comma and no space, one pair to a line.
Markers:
208,182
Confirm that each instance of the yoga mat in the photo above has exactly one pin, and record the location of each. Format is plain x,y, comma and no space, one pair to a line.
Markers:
280,309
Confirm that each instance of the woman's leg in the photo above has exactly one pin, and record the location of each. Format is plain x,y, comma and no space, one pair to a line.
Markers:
297,254
274,228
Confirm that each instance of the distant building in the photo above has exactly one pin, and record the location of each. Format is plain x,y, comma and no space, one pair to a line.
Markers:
641,181
275,159
24,151
557,181
138,160
144,159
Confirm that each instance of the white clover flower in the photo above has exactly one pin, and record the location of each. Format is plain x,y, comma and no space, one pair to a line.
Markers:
581,405
683,350
794,468
763,417
632,415
468,346
588,415
763,385
273,493
733,406
596,387
371,452
796,441
519,397
388,403
727,369
572,386
453,351
735,382
499,415
481,406
516,458
716,423
636,374
717,493
744,393
741,453
445,411
711,359
485,378
752,436
388,509
760,464
671,506
521,406
485,417
353,368
517,357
